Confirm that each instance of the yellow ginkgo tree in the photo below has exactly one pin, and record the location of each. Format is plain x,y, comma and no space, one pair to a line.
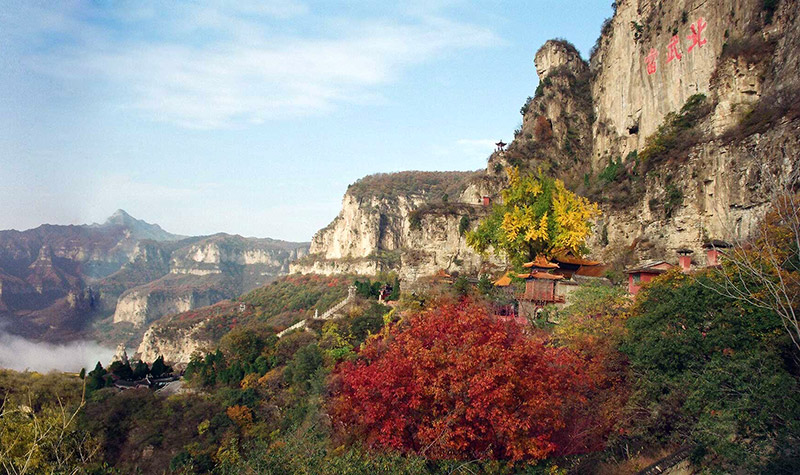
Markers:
538,216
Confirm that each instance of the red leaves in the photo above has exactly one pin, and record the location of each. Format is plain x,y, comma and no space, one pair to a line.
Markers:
456,383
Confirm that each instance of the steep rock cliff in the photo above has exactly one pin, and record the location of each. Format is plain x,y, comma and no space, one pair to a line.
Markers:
175,347
682,125
205,272
411,222
717,178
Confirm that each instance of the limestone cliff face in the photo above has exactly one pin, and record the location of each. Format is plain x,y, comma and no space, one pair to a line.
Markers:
740,64
365,225
203,273
712,180
416,234
176,347
143,305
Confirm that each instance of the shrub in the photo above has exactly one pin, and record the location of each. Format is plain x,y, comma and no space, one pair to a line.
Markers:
525,107
752,48
711,371
463,225
677,135
410,183
770,109
542,130
613,171
674,198
769,7
456,376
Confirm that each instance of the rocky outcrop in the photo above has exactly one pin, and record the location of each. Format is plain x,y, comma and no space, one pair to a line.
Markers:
415,234
205,272
721,185
142,306
588,123
57,280
176,345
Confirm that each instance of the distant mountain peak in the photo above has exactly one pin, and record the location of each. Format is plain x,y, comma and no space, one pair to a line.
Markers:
120,216
139,228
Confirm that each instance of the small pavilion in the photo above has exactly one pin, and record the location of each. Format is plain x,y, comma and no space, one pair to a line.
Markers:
645,273
714,249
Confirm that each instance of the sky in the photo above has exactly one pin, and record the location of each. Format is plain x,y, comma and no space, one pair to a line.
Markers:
252,117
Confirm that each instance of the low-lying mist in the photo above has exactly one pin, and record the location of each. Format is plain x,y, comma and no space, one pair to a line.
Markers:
20,354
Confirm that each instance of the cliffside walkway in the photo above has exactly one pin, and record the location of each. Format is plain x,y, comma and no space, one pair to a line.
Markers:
328,315
667,463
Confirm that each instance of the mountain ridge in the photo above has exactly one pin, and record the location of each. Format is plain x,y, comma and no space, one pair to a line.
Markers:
57,282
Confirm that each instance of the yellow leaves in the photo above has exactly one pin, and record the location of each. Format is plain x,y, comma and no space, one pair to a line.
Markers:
538,216
249,381
538,231
534,187
512,224
241,415
573,215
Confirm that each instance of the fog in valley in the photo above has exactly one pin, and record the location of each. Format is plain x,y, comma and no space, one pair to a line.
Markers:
20,354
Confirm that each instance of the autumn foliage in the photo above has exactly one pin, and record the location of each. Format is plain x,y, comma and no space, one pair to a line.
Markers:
542,130
538,215
455,383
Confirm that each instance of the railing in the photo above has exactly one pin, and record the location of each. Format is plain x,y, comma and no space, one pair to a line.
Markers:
667,462
351,293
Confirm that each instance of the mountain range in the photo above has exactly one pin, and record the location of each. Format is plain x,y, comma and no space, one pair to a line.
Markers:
64,282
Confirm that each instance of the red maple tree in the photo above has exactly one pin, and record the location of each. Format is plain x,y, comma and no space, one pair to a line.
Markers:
453,382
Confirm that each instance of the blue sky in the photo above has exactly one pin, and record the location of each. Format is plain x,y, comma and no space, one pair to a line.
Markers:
252,117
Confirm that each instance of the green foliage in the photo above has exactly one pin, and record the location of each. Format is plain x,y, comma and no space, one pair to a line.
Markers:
638,29
365,325
127,422
596,299
677,135
395,294
39,429
297,293
712,371
368,289
160,368
140,370
97,378
462,286
613,171
120,370
305,363
674,199
410,183
526,106
538,215
463,225
415,221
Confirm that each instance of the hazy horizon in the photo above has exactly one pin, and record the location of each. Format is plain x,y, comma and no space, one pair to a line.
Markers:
252,118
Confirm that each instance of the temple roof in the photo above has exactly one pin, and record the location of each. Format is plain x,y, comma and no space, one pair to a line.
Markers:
577,261
504,281
652,267
540,262
716,243
540,275
592,271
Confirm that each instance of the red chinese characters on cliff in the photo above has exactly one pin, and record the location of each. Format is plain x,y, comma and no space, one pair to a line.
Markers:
697,34
652,61
674,46
673,49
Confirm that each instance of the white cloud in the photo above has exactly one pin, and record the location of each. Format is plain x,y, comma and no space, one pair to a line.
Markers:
222,65
20,354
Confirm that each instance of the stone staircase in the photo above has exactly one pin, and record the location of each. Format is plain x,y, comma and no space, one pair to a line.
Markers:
328,315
